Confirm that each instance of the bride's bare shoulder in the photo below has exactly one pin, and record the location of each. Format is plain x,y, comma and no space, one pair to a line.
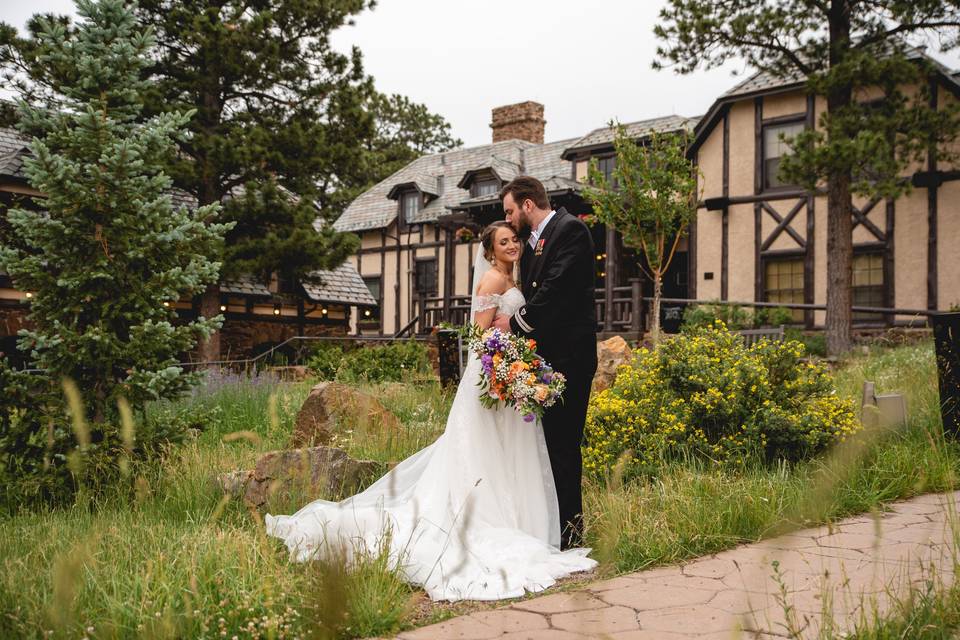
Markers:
493,282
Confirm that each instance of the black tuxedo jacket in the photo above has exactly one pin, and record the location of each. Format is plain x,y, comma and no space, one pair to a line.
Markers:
557,279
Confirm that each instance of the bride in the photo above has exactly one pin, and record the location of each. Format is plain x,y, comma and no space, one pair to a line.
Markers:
474,515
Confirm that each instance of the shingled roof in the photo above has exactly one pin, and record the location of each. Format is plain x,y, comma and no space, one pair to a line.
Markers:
342,285
603,137
374,210
13,148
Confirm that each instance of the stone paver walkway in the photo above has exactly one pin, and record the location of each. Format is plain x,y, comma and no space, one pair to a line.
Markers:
857,565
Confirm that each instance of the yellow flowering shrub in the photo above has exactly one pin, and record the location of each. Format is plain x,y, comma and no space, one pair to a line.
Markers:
705,393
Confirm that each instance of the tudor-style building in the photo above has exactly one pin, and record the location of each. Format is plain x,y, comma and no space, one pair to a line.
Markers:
258,315
757,239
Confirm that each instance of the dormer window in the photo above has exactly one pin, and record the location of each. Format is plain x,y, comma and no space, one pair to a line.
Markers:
410,203
485,187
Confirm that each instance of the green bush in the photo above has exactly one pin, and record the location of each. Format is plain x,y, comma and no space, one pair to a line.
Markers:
705,394
734,316
325,360
45,458
392,362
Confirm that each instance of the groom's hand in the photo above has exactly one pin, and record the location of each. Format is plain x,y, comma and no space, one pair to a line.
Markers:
502,322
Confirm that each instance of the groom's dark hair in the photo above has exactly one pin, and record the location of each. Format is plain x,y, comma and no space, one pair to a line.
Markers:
526,188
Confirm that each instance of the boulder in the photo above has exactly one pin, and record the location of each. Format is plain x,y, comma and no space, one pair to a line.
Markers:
313,472
611,353
317,420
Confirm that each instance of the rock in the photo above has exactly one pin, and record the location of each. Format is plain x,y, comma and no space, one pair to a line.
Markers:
234,483
312,472
317,420
611,354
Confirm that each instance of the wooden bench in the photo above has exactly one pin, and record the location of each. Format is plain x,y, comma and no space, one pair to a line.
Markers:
752,336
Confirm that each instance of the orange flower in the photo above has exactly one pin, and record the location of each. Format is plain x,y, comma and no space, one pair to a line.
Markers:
531,344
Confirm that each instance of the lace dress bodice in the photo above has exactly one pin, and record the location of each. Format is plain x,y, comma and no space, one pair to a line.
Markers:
506,303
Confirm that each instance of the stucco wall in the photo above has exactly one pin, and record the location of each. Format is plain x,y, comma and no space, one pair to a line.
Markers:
910,251
710,159
742,144
708,254
741,258
948,245
786,104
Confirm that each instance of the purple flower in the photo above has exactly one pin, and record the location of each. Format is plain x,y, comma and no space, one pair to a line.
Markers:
528,418
547,377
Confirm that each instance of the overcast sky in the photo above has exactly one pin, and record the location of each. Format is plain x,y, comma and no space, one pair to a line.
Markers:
587,62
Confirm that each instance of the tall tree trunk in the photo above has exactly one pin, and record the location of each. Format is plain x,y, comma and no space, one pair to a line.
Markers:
839,264
655,320
209,115
839,201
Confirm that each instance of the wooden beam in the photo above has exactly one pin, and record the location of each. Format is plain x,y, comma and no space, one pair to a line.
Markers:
889,290
757,188
725,222
932,213
783,223
809,257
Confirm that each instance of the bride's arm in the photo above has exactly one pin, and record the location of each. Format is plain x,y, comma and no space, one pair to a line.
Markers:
491,286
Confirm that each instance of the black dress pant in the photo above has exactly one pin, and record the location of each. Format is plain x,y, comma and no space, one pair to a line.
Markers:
563,425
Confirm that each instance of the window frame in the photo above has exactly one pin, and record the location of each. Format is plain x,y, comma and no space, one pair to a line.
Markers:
435,290
404,215
485,180
865,317
797,257
775,123
376,317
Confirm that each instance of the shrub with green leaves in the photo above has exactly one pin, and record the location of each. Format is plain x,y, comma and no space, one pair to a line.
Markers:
324,360
734,316
392,362
706,394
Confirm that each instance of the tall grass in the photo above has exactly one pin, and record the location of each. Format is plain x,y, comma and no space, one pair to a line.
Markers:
168,557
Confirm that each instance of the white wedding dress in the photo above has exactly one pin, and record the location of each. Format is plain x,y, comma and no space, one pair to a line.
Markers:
473,516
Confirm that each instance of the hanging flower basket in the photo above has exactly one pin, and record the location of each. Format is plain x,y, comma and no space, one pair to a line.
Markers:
464,234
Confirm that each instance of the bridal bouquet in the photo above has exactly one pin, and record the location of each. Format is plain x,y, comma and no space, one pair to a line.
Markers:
514,374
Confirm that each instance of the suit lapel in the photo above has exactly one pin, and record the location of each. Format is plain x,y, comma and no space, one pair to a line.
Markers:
525,259
537,263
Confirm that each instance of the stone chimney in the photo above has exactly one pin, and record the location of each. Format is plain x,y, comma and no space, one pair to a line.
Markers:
523,121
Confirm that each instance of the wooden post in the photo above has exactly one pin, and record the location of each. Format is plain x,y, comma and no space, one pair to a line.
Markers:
608,279
422,304
636,307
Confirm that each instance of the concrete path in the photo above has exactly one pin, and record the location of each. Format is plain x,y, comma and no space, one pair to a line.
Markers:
855,567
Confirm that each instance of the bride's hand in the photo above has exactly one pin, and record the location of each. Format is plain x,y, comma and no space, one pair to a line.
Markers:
502,322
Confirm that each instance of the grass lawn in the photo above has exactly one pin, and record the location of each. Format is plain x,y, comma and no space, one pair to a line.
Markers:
173,558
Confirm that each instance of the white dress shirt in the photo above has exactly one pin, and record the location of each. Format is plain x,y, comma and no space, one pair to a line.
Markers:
535,234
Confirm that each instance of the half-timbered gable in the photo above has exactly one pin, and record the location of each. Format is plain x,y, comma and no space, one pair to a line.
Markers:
759,239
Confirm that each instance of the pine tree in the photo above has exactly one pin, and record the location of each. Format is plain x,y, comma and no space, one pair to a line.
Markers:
844,48
106,251
279,112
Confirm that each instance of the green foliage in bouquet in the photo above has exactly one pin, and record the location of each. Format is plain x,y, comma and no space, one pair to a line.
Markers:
705,394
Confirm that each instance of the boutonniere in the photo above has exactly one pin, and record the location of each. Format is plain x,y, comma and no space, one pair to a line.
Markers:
539,249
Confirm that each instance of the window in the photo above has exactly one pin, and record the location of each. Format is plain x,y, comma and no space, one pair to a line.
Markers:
288,284
868,289
368,314
783,282
606,166
775,148
409,204
485,187
425,276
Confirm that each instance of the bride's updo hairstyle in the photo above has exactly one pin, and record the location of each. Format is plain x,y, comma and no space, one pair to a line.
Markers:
488,234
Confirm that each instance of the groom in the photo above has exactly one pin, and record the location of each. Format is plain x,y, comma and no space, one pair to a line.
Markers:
557,279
